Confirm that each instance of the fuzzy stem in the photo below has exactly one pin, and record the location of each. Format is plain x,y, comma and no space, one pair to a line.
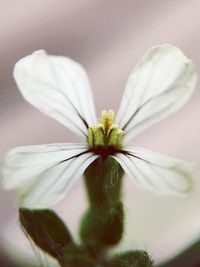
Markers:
102,224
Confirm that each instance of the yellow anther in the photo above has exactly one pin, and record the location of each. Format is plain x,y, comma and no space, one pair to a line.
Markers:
107,120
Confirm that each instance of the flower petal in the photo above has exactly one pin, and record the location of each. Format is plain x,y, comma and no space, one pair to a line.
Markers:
53,184
43,174
59,87
22,164
156,172
162,82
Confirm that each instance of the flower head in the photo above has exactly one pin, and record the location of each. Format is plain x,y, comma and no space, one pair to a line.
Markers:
161,82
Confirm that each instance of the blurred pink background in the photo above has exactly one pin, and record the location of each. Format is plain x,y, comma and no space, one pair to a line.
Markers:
107,38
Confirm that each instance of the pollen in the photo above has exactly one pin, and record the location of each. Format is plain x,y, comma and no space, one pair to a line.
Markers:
106,133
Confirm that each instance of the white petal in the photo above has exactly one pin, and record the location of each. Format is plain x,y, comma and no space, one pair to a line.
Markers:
59,87
156,172
22,165
54,183
162,82
43,174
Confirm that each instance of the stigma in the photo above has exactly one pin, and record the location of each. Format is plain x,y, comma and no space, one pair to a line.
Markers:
106,136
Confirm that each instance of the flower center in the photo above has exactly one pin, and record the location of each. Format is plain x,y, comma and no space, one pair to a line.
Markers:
105,138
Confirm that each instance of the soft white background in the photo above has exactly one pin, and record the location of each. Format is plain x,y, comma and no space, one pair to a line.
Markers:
107,37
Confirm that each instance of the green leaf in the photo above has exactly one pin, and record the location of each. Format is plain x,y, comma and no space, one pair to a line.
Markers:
138,258
76,256
46,229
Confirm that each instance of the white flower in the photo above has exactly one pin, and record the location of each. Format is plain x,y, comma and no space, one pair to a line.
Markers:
161,82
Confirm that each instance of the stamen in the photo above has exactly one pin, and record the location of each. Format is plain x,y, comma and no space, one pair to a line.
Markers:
107,119
106,133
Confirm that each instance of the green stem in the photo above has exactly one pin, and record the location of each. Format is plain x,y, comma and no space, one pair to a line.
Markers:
103,179
102,224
